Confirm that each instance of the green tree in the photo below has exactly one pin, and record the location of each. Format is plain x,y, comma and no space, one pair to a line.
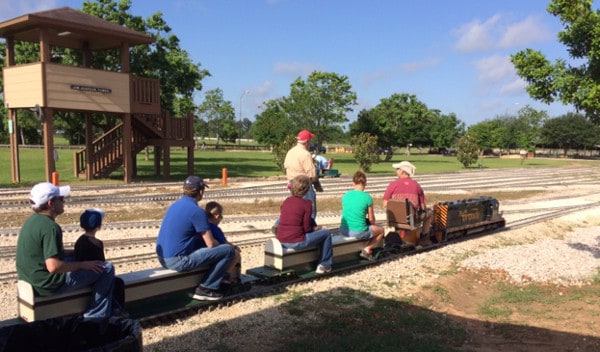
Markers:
487,133
575,82
510,132
445,130
320,104
219,115
570,131
402,119
280,150
365,150
527,127
272,125
467,151
179,77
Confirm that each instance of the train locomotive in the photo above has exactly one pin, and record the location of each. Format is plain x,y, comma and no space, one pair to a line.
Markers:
458,218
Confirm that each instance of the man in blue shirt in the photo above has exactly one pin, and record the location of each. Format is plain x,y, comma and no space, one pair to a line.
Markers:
179,246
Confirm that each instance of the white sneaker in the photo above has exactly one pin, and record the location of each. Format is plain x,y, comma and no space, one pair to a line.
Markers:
322,269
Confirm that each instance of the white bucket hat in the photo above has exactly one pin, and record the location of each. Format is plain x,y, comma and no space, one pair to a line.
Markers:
405,166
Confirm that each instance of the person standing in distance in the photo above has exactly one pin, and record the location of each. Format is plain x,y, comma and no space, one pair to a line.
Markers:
179,246
299,161
41,259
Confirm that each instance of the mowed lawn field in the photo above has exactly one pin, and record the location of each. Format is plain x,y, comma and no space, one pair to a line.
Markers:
210,163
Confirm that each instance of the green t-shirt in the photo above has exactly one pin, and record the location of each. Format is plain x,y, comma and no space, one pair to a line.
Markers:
40,238
354,209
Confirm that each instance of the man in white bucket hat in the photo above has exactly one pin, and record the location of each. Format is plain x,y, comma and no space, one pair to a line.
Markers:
405,187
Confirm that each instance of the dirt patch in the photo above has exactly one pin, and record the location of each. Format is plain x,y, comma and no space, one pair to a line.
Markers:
500,317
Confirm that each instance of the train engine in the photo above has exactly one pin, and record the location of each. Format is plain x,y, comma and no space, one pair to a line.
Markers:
458,218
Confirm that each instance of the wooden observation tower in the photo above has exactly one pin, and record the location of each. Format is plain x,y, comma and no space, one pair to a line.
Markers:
46,87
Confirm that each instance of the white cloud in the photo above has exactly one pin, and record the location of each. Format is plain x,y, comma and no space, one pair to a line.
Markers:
514,87
529,30
495,69
414,66
387,74
296,68
475,35
495,33
264,89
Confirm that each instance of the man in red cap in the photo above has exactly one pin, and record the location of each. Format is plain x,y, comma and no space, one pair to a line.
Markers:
299,161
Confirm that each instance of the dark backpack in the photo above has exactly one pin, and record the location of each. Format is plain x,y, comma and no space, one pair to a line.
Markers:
392,240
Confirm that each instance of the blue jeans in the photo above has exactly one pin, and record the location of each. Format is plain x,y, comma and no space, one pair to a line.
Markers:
216,258
319,238
359,235
102,289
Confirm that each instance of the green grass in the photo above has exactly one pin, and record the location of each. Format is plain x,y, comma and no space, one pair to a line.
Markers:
210,163
534,299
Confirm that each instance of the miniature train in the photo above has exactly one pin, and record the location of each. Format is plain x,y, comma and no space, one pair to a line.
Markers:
159,292
452,220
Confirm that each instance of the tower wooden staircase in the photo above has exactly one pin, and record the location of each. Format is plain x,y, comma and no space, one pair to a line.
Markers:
162,131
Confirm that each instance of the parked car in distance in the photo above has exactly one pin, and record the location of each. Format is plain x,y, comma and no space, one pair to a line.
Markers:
320,149
442,151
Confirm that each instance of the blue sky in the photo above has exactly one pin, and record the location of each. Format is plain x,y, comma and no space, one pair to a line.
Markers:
452,55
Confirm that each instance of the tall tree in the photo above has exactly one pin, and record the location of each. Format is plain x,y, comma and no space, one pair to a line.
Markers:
578,81
272,125
445,130
219,115
179,77
365,150
467,151
320,104
570,131
402,119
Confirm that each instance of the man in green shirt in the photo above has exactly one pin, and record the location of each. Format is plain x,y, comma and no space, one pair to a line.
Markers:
41,259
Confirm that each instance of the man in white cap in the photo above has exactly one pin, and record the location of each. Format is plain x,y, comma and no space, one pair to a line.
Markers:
299,161
405,187
41,258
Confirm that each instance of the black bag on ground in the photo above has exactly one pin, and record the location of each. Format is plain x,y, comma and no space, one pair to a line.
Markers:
73,334
392,240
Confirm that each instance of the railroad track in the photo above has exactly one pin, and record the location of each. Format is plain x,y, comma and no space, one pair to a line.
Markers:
168,192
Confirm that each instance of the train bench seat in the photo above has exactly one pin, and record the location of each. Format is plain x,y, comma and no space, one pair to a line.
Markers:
280,258
138,285
402,218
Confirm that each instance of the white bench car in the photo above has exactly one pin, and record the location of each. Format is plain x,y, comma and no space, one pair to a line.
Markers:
280,258
138,285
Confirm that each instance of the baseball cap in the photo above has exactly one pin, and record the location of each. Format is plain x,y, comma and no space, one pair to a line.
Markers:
304,135
91,218
405,166
42,192
194,183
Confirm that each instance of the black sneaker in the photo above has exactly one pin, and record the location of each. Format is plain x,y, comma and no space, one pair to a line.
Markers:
205,294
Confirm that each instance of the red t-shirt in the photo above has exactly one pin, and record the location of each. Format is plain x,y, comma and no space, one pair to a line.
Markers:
294,220
405,188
